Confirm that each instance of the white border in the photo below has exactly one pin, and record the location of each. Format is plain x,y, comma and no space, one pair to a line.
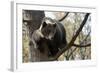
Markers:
17,38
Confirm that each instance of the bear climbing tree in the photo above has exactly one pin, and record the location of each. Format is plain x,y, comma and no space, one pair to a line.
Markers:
32,21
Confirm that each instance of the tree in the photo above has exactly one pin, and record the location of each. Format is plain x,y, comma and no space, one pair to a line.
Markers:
32,20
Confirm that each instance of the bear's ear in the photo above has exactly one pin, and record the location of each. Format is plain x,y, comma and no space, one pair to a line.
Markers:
44,24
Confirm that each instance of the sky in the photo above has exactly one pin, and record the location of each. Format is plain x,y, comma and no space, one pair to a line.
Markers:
50,14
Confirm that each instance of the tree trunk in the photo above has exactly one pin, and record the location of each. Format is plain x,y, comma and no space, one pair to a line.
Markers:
33,21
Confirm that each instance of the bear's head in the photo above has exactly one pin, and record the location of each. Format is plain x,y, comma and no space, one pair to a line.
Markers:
48,28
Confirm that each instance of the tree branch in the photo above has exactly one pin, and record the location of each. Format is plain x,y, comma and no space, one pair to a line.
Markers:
79,45
64,17
73,38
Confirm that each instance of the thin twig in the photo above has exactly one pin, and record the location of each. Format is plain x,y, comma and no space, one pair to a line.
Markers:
86,45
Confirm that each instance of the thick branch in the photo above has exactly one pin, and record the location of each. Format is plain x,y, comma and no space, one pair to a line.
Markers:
73,38
64,17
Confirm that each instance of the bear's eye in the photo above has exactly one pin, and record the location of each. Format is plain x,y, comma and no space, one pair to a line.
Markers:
54,25
44,24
